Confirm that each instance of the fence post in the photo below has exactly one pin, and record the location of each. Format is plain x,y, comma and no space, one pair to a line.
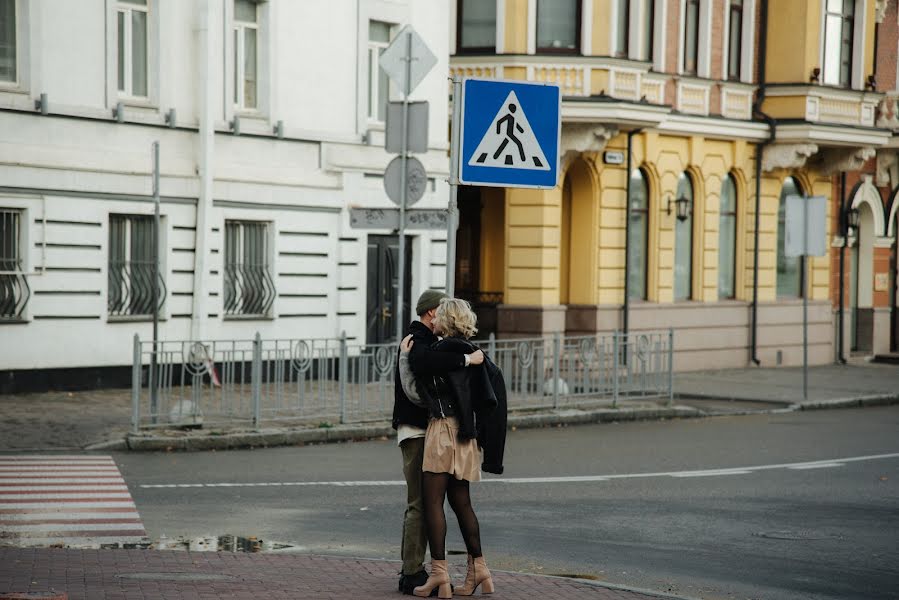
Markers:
616,369
342,376
670,366
491,347
557,358
135,386
257,378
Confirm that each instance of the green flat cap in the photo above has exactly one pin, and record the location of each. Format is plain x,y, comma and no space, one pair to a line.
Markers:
429,299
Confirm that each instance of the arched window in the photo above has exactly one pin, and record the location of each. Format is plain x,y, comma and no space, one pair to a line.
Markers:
727,239
683,243
789,268
638,235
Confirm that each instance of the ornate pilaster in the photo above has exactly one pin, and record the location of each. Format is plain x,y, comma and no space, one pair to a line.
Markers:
887,168
787,156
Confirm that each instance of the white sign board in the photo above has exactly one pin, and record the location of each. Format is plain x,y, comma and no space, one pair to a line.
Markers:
806,226
416,130
409,49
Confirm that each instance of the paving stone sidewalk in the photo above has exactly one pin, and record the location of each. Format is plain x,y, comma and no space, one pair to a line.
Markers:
171,575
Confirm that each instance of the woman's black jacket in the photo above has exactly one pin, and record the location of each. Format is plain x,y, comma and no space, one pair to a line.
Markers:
480,395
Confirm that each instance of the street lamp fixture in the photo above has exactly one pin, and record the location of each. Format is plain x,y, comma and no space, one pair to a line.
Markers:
852,218
681,207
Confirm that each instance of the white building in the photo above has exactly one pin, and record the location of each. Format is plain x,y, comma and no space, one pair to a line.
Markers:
269,116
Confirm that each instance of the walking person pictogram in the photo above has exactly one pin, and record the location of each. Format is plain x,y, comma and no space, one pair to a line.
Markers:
509,141
511,126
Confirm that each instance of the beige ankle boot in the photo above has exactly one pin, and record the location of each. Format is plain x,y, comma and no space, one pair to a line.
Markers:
439,578
478,575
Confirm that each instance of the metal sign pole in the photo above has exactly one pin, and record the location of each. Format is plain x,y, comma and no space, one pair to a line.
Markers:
454,189
804,265
401,278
154,359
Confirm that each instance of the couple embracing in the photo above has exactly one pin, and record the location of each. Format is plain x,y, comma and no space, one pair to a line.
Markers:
450,417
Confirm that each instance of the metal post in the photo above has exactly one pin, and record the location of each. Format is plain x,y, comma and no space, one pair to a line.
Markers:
670,366
454,188
135,386
342,371
400,315
615,367
154,394
557,358
491,346
257,378
804,264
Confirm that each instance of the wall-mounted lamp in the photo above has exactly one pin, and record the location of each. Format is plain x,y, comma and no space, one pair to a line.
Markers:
171,119
871,83
42,105
815,77
118,113
235,125
278,130
681,207
852,218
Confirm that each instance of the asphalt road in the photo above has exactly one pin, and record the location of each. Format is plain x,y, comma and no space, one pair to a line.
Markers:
683,507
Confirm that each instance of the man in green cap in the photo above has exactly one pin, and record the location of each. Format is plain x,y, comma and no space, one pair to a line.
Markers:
410,419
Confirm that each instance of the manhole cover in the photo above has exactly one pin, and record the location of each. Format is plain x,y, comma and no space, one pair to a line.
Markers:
795,535
161,576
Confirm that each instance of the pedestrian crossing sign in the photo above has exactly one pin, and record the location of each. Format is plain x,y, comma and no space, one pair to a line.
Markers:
510,133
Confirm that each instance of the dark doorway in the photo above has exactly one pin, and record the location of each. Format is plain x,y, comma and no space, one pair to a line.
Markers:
383,277
470,245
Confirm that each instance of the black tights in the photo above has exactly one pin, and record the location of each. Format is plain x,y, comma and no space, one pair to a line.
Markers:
436,487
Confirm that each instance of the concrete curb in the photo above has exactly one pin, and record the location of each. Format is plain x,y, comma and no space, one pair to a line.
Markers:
857,402
343,433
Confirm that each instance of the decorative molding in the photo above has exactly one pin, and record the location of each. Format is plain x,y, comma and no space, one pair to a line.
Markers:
586,137
887,168
868,194
787,156
880,10
837,160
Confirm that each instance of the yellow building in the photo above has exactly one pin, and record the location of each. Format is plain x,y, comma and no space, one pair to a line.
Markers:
671,88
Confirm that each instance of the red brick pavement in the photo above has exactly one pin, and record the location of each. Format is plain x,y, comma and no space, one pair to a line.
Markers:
174,575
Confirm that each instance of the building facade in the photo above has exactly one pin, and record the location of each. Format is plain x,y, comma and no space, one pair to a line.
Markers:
686,124
270,120
865,221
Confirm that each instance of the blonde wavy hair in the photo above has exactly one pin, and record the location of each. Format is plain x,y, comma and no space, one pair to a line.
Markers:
455,318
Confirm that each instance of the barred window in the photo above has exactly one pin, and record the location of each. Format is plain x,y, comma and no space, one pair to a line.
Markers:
131,267
249,286
14,290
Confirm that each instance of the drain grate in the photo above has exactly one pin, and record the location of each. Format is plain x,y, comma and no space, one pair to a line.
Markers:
799,535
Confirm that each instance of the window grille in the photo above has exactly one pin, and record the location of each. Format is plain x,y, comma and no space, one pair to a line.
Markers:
131,267
14,290
249,286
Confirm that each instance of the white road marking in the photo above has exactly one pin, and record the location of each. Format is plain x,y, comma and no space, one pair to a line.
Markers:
820,464
73,501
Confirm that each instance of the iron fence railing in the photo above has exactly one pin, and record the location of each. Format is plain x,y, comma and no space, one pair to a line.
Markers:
323,381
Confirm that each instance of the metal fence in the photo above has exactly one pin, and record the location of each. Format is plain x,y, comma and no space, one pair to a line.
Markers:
181,383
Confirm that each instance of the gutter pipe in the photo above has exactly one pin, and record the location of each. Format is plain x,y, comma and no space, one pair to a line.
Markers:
759,152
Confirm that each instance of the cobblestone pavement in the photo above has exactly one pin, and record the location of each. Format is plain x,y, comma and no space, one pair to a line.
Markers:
137,574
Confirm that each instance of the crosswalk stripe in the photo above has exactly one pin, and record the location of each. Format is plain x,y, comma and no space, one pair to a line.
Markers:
66,500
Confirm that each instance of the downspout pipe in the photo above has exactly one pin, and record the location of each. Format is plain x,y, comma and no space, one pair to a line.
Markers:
627,232
759,153
845,231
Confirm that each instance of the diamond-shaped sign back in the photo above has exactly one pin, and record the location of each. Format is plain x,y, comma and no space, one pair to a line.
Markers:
393,59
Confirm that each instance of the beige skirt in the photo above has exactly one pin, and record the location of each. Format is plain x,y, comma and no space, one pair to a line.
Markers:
446,453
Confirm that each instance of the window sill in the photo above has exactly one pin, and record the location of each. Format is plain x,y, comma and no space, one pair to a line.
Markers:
19,321
133,319
248,318
12,88
134,102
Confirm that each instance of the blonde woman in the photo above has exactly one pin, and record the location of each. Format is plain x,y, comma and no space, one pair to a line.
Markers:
460,403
